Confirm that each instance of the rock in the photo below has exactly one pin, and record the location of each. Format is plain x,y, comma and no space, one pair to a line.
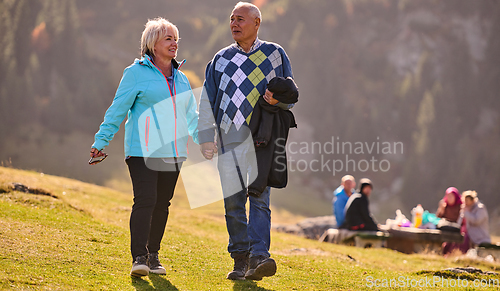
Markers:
311,228
489,259
23,188
20,187
470,270
455,270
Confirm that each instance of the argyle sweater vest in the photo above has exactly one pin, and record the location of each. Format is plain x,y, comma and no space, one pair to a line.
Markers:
235,80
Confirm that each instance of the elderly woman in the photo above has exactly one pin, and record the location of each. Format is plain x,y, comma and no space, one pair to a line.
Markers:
161,111
450,205
476,219
450,209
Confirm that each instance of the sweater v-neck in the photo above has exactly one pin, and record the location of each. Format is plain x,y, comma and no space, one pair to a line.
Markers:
255,47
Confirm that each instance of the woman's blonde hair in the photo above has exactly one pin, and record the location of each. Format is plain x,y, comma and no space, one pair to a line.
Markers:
155,30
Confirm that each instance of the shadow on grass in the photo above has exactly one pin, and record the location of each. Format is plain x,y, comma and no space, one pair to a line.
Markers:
159,283
248,285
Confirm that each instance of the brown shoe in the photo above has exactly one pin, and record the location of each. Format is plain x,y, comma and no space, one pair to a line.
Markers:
260,266
240,266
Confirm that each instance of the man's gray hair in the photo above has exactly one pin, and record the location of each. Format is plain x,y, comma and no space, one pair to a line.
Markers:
254,10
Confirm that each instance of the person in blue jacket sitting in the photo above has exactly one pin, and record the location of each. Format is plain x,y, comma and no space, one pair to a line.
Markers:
340,197
161,109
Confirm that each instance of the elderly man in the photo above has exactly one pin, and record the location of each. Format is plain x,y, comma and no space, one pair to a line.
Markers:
234,81
476,218
340,197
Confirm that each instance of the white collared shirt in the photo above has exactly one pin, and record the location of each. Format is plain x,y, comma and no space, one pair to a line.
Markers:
256,44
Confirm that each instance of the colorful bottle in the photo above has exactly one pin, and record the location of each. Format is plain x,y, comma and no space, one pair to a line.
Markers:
417,214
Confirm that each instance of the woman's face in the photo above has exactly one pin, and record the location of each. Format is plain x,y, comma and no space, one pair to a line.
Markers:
166,47
451,198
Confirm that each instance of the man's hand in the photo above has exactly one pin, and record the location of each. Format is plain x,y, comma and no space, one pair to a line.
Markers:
268,96
208,149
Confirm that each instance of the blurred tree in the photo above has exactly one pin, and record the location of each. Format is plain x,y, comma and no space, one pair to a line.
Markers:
425,73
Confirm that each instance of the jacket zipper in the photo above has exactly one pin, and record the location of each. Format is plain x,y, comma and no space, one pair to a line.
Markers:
147,132
187,149
173,102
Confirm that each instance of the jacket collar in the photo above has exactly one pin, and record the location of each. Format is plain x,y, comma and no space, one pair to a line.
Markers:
146,60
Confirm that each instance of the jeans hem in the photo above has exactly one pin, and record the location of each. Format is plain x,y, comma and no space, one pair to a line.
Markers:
265,254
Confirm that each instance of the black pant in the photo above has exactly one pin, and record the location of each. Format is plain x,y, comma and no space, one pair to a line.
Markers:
153,191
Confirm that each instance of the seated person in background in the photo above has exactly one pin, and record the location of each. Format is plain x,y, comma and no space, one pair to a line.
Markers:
340,197
476,218
357,212
450,209
450,205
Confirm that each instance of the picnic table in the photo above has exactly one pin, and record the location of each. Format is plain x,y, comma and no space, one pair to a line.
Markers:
411,240
486,249
362,239
407,240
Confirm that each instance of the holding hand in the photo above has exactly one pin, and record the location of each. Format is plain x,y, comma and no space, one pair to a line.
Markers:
268,96
208,149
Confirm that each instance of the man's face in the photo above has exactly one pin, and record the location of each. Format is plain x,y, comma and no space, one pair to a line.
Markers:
243,26
367,190
468,202
348,185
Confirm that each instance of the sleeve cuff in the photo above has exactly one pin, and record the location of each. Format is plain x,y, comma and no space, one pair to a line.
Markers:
206,135
99,145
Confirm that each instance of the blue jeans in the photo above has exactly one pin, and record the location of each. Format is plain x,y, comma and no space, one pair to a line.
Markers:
252,235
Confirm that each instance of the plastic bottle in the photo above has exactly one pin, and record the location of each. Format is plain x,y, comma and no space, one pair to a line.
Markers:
399,217
417,214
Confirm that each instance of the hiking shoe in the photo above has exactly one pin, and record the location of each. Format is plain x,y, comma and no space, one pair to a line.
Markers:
140,266
260,266
240,266
154,265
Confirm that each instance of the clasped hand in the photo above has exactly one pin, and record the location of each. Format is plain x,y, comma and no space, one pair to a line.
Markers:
208,149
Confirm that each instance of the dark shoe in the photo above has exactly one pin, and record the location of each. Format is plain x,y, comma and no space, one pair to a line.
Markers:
260,266
140,266
240,266
155,266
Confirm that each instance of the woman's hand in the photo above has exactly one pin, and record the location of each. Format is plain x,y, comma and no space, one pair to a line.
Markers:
268,96
95,153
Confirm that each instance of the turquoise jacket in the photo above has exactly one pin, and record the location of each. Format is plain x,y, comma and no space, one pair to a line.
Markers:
159,118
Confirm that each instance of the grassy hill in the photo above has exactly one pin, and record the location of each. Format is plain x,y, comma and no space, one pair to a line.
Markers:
77,239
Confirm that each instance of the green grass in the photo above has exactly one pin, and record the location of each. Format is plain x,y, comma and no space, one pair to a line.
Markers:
80,241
